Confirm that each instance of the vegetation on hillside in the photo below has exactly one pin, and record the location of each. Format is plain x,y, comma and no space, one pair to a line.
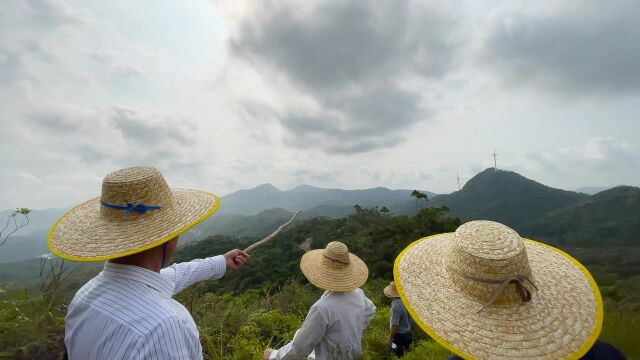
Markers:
609,218
507,197
15,221
262,304
372,234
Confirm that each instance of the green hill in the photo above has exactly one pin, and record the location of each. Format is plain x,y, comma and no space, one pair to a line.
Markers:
374,236
506,197
609,218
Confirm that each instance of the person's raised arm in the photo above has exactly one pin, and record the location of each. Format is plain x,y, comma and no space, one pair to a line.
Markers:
305,339
188,273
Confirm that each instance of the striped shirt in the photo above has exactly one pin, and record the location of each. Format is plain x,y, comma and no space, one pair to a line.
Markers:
126,312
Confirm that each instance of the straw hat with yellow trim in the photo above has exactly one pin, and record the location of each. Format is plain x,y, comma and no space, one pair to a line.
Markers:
136,211
391,291
334,268
483,292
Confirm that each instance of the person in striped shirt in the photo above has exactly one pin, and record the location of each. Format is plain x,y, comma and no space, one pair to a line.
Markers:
127,311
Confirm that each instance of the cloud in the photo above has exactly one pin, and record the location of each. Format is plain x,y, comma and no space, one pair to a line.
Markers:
116,63
591,47
48,14
114,136
602,154
353,63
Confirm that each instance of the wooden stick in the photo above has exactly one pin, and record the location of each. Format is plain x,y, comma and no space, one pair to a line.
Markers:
273,234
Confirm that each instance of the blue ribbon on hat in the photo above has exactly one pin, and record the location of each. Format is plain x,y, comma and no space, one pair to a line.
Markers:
139,208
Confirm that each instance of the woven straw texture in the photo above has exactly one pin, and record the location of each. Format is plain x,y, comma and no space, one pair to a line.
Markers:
391,290
562,320
92,232
334,268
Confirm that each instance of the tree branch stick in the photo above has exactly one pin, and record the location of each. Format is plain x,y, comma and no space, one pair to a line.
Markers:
273,234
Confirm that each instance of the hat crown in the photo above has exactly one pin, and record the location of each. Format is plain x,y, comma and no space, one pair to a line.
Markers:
336,254
136,185
483,254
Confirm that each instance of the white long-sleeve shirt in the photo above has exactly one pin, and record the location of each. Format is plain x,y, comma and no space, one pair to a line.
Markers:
126,312
333,328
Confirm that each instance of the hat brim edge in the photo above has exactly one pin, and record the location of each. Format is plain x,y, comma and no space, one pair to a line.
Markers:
326,286
128,252
390,294
573,356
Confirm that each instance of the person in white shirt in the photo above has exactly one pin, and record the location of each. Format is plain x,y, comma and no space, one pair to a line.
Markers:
334,326
126,311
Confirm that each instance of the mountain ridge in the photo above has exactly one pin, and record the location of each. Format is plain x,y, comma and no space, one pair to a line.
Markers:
505,196
531,208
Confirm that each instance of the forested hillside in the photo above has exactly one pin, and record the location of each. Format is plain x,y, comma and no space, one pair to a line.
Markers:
373,235
609,218
377,238
507,197
264,303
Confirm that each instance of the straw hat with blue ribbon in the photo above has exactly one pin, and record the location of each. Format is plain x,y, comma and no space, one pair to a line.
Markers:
136,211
484,292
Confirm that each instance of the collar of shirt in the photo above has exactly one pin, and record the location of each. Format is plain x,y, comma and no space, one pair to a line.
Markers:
139,274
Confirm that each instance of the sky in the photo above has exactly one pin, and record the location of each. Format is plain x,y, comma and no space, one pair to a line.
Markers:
225,95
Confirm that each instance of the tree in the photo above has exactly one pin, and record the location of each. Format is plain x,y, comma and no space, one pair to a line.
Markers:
19,218
419,196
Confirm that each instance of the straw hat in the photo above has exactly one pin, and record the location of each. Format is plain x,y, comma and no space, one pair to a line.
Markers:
483,292
334,268
391,291
136,211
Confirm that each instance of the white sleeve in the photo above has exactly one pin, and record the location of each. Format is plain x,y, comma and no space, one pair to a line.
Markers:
369,310
188,273
306,338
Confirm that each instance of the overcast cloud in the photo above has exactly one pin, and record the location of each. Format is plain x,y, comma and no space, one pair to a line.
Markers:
334,53
587,49
223,95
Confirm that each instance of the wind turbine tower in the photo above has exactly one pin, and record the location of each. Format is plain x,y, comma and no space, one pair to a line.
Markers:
495,161
458,178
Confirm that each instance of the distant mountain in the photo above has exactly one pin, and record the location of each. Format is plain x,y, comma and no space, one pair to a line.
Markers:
305,197
533,209
609,218
26,273
24,247
257,225
38,219
30,241
507,197
592,190
331,211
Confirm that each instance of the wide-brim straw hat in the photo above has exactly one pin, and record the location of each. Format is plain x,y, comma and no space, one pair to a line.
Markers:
391,290
483,292
136,211
334,268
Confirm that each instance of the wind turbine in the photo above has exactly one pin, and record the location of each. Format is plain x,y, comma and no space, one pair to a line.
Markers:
495,161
